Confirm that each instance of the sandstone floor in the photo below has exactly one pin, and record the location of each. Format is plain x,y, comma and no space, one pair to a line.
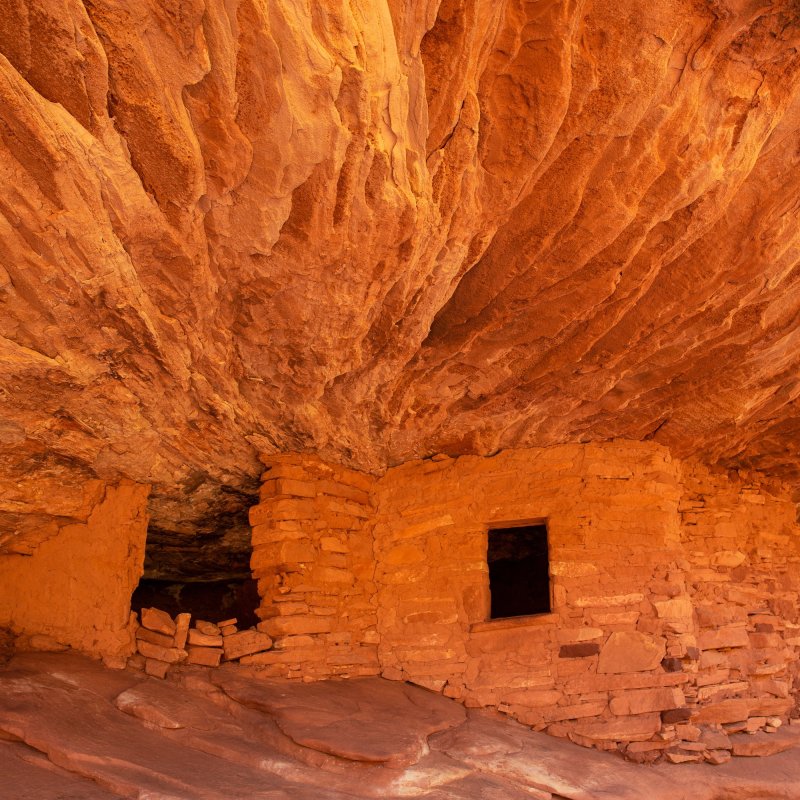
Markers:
71,729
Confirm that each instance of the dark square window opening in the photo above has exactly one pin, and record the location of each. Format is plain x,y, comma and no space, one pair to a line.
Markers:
519,571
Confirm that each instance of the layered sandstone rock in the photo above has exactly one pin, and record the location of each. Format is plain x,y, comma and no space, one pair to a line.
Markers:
328,741
381,230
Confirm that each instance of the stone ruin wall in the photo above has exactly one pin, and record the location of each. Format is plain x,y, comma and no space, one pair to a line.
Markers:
75,588
612,529
675,590
313,559
742,546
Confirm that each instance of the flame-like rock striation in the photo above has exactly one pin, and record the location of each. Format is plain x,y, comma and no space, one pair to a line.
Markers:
384,229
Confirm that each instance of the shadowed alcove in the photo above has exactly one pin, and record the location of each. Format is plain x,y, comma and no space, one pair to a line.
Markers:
205,571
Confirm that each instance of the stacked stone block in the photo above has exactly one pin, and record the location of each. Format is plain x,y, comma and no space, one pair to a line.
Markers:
312,556
743,553
162,642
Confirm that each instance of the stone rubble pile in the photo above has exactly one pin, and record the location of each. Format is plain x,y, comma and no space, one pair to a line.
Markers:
162,641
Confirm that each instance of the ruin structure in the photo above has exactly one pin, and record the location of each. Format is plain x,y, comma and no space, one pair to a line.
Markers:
470,331
674,589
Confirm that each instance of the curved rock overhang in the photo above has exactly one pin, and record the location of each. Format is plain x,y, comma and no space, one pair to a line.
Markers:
381,231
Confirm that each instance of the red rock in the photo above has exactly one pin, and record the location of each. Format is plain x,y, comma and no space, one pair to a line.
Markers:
438,248
630,652
160,639
357,722
156,620
207,628
156,668
203,639
245,643
767,706
676,715
679,756
136,661
692,747
138,703
765,744
641,701
182,622
716,740
724,711
626,729
731,636
33,776
189,746
717,757
479,230
204,656
171,655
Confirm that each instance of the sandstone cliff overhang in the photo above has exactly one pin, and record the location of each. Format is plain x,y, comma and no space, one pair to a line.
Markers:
386,232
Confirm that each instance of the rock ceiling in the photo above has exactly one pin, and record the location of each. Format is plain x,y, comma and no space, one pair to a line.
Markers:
384,229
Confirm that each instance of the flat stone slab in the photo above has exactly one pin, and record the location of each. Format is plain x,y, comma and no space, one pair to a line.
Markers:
159,704
766,744
353,719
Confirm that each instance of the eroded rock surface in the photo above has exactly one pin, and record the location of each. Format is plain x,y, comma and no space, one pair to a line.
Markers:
30,775
80,730
354,719
384,230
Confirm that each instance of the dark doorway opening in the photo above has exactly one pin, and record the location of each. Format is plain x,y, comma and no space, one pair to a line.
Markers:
519,571
203,572
209,600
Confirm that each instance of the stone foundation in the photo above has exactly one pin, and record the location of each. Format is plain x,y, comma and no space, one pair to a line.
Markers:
674,590
75,588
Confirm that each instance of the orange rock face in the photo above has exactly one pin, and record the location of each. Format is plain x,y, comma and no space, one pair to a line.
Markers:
385,230
75,731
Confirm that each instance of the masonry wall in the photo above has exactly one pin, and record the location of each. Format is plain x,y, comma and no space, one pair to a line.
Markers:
743,566
312,556
674,592
76,586
614,537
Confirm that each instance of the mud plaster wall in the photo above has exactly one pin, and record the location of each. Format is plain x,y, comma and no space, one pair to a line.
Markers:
76,587
674,591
